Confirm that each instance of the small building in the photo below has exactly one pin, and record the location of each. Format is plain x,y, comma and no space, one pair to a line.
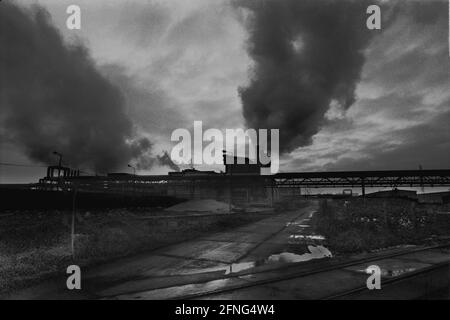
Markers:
242,165
236,184
396,193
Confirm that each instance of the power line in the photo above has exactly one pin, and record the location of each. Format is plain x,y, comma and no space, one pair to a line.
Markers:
87,171
21,165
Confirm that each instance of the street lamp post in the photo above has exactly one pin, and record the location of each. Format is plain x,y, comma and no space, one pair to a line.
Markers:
74,190
134,169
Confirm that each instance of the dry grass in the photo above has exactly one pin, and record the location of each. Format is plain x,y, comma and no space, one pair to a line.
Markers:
357,225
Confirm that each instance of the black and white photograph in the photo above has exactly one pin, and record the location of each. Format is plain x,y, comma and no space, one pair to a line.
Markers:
225,154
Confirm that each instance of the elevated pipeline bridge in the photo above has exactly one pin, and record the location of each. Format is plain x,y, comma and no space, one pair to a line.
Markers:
337,179
363,179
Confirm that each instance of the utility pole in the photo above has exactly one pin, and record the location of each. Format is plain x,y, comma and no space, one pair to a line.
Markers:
134,169
134,180
72,227
422,187
230,191
363,187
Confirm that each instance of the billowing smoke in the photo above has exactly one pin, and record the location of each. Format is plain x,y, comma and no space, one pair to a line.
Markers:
163,160
54,98
166,160
307,54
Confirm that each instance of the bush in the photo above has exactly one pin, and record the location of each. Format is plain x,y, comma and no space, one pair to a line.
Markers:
355,225
347,241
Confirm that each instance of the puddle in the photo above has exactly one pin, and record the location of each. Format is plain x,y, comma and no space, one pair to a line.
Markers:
205,270
298,223
391,272
391,267
315,252
232,268
237,267
310,237
177,291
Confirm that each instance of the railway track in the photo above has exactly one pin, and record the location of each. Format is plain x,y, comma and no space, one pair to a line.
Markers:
328,266
390,283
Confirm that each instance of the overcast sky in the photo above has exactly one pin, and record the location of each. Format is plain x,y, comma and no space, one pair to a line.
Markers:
178,61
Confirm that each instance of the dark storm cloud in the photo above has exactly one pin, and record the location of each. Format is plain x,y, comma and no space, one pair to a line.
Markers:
54,98
408,119
149,107
421,12
141,23
138,101
425,144
306,54
406,54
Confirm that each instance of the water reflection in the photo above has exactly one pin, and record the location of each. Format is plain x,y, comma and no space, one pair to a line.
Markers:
391,272
315,252
310,237
237,267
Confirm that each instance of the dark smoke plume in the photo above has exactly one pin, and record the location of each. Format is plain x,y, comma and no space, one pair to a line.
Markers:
163,160
306,53
166,160
54,98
